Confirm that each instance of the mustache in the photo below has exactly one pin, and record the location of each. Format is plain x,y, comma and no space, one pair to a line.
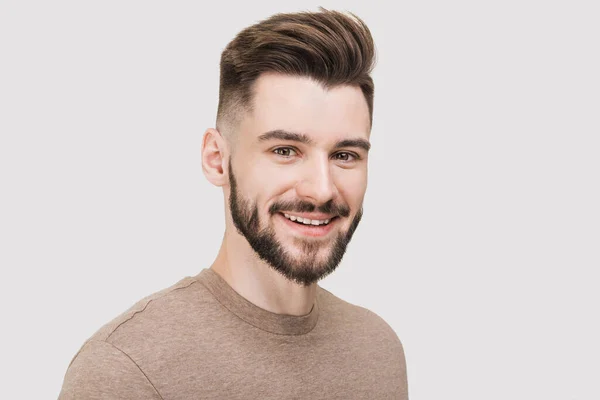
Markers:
304,206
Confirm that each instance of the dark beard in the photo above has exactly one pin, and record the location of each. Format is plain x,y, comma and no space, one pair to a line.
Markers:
305,271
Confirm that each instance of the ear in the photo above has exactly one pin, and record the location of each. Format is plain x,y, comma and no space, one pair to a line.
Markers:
214,157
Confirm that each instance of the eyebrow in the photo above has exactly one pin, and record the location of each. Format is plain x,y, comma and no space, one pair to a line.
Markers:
361,143
285,135
302,138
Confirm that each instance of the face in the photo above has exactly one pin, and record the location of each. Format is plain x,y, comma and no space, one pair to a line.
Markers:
298,174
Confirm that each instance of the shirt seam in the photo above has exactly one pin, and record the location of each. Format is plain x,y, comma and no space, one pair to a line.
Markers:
138,367
146,305
251,324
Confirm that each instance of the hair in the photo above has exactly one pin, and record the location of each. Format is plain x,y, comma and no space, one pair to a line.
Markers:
331,47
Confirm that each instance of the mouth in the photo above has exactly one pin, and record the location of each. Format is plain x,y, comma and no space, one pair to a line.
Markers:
308,227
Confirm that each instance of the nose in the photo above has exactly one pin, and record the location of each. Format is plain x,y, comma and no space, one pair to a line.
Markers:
317,183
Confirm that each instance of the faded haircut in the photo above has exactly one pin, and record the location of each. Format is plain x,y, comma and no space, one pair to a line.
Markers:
331,47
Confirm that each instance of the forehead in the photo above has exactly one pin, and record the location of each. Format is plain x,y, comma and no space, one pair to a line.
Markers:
300,104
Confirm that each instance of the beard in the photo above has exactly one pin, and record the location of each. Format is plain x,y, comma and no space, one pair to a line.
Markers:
306,268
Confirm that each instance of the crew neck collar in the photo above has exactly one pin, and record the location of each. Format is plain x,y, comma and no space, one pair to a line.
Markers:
281,324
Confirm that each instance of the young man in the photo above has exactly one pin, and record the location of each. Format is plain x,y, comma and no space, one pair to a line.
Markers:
290,151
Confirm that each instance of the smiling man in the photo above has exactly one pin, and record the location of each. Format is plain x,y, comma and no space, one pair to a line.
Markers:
290,151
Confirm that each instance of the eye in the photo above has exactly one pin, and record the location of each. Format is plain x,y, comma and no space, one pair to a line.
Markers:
345,156
285,151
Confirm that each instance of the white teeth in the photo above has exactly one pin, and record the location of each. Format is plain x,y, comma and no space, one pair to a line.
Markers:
307,221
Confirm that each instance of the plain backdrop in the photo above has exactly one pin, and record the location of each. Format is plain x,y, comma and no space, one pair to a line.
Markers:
480,243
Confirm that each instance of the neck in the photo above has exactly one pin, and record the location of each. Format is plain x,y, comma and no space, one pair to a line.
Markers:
259,283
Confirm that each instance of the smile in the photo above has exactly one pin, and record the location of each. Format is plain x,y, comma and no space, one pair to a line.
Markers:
307,221
308,227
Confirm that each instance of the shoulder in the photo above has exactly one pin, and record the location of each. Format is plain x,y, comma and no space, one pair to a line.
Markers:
101,371
115,357
363,321
368,337
153,319
155,309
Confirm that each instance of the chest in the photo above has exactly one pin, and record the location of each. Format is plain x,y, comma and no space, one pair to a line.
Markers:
286,368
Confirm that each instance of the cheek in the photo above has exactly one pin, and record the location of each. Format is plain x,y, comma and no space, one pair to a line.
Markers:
352,185
271,178
266,184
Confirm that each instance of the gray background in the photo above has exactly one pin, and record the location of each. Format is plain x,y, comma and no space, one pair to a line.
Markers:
480,241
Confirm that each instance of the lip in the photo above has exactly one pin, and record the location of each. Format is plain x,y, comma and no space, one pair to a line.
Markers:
316,216
309,230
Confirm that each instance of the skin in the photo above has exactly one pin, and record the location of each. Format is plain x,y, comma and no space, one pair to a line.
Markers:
275,172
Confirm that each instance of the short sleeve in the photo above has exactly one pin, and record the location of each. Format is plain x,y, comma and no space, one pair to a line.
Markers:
102,371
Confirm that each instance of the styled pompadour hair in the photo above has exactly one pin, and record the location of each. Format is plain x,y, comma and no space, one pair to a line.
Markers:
331,47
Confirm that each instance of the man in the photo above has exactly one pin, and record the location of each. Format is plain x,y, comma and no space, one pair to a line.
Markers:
290,152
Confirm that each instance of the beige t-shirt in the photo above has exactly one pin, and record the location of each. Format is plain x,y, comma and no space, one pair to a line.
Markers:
200,339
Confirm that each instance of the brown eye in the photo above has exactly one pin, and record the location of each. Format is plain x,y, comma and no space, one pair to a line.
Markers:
343,156
284,151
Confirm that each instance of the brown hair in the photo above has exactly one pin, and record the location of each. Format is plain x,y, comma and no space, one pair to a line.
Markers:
330,47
